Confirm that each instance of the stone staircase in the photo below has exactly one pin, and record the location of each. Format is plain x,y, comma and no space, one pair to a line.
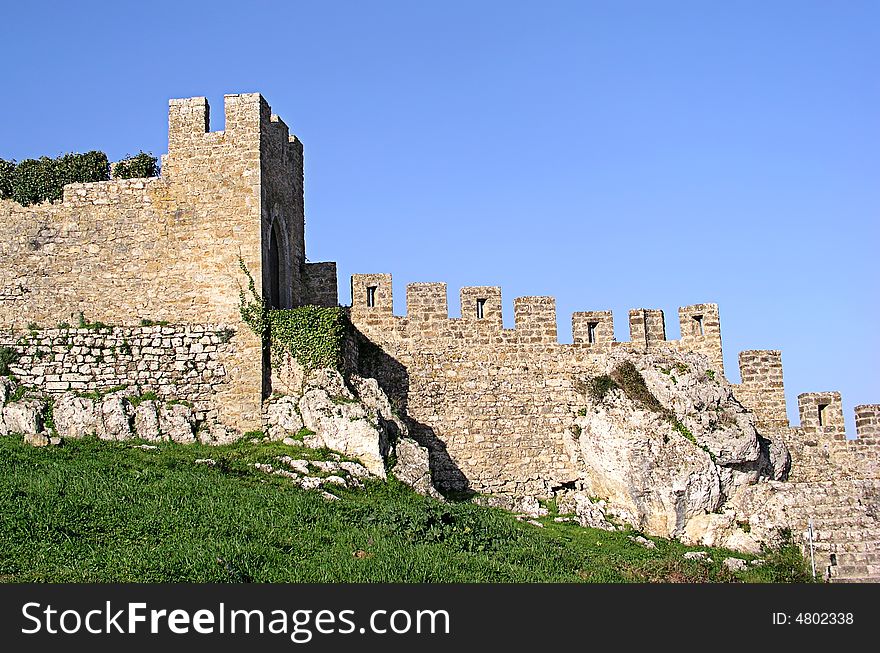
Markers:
846,528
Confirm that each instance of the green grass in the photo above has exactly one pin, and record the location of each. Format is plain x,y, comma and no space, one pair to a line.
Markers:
93,511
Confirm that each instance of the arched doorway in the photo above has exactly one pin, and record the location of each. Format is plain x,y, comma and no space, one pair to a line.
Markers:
274,294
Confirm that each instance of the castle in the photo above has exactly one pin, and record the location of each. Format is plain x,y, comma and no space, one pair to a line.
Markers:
158,260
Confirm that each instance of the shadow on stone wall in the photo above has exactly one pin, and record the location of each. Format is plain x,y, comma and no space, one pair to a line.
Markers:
363,357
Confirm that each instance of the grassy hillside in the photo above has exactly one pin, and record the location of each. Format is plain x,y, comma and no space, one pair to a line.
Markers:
91,511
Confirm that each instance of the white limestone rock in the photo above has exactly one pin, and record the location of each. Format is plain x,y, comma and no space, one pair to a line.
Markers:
705,406
325,465
588,513
176,423
342,423
413,467
778,459
217,434
75,417
374,399
654,477
735,564
720,530
146,421
25,416
355,470
297,465
330,381
310,482
283,418
643,542
115,415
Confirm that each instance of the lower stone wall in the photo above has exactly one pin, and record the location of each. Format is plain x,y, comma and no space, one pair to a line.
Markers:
197,363
494,418
845,514
825,459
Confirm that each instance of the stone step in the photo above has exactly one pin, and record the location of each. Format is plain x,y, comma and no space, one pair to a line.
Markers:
848,569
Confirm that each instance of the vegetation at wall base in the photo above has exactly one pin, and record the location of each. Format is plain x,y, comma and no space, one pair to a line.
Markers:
97,511
8,356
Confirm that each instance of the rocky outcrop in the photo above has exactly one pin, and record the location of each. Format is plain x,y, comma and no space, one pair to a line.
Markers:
413,467
356,420
115,414
325,475
75,416
24,416
670,453
146,421
587,512
352,417
176,422
342,423
119,415
283,418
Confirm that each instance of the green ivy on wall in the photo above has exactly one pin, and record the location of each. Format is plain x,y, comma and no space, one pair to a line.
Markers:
313,335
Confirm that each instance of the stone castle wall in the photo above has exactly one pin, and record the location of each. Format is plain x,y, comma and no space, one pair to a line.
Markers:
834,481
493,403
167,249
177,362
820,449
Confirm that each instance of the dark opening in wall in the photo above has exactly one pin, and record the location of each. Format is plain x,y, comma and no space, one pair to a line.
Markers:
371,296
591,331
823,414
481,305
274,295
698,327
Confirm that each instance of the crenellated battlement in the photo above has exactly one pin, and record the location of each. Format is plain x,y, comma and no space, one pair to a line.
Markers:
481,306
593,327
820,448
868,422
821,414
762,389
535,320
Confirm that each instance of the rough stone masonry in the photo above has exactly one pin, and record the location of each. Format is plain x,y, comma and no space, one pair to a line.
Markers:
136,283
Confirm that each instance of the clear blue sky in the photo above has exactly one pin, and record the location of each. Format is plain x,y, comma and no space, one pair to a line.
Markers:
612,154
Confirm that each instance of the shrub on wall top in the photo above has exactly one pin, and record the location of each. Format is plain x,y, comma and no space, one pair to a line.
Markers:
143,164
7,169
36,180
